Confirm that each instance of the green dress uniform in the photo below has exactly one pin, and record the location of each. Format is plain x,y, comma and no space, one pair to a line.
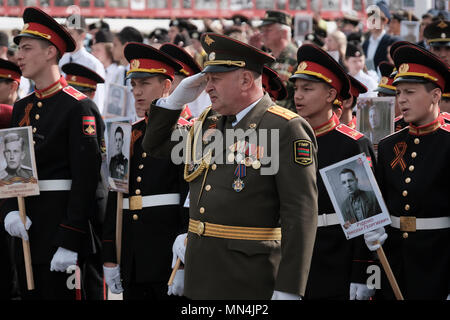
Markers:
413,175
249,233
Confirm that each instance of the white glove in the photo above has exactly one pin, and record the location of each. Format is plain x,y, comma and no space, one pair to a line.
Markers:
62,259
376,235
448,297
112,279
360,291
279,295
179,248
187,91
15,227
177,286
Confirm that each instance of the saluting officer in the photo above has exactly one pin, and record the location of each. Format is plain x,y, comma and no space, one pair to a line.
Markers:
153,208
412,173
251,233
318,81
67,158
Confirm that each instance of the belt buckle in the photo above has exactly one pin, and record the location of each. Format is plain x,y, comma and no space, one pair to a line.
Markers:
408,224
200,228
135,203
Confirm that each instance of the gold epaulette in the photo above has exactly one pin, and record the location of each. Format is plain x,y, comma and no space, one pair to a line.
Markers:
283,112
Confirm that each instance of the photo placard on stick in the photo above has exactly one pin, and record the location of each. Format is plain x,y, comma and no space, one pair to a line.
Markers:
116,101
118,150
409,31
18,173
355,196
303,26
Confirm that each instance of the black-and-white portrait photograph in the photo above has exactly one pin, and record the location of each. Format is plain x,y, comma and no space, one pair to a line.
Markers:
409,4
440,4
409,31
303,26
375,117
18,174
116,101
355,195
118,150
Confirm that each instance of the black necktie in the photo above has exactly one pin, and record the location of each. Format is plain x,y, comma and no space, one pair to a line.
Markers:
229,121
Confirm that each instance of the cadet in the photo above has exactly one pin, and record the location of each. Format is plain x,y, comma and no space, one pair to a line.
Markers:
437,35
67,158
347,117
412,173
9,82
273,85
153,212
242,207
318,81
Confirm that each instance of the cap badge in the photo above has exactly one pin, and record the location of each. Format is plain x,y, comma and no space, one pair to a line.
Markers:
25,26
135,64
442,25
302,66
384,80
74,78
212,56
403,68
208,40
357,54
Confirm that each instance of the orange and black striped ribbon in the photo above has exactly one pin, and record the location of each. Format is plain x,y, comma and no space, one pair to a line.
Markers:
399,149
135,134
26,118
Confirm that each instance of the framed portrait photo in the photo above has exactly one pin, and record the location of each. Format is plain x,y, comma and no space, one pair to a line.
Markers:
409,31
18,173
118,155
116,101
375,117
303,26
355,196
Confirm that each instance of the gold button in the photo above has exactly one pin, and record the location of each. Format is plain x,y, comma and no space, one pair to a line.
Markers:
138,191
202,210
416,141
37,116
214,167
39,104
413,155
138,179
405,193
405,235
408,180
208,187
407,207
252,125
200,228
141,166
411,168
34,130
144,155
135,217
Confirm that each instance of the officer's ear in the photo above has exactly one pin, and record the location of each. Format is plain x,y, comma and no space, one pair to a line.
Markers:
167,84
247,79
436,95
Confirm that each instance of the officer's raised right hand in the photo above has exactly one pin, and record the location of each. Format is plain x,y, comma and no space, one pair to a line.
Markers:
14,225
375,239
187,91
112,277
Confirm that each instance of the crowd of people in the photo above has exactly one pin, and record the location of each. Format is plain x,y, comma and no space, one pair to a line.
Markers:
217,222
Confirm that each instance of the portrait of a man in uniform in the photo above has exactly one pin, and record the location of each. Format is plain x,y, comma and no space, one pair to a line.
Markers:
15,153
359,204
116,101
375,117
118,166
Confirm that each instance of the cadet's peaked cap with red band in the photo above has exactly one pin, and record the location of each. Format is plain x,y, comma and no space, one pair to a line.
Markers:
39,25
227,54
273,84
314,64
80,77
420,66
385,86
189,65
9,70
5,116
147,61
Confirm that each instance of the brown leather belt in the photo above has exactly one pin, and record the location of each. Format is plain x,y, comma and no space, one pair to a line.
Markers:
232,232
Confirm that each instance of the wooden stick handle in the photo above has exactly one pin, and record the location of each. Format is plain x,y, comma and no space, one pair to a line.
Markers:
119,219
389,273
176,267
26,246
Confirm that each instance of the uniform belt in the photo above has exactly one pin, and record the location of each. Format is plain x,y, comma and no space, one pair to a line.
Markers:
55,185
232,232
139,202
327,219
407,223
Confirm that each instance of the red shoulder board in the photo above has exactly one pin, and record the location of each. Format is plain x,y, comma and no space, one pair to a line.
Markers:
71,91
446,116
446,127
398,118
352,133
183,122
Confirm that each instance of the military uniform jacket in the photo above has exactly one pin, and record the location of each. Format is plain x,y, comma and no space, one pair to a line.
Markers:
336,261
413,174
147,234
224,268
118,166
66,147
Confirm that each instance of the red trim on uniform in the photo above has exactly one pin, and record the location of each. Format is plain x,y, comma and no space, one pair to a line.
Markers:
352,123
327,126
427,128
186,68
149,65
71,228
445,115
317,68
9,74
80,79
349,132
71,91
44,32
51,90
421,71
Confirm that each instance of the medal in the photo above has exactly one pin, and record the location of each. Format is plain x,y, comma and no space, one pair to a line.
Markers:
238,185
239,173
256,164
248,161
231,157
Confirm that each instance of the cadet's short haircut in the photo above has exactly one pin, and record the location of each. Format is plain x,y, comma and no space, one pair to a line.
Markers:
347,170
129,34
